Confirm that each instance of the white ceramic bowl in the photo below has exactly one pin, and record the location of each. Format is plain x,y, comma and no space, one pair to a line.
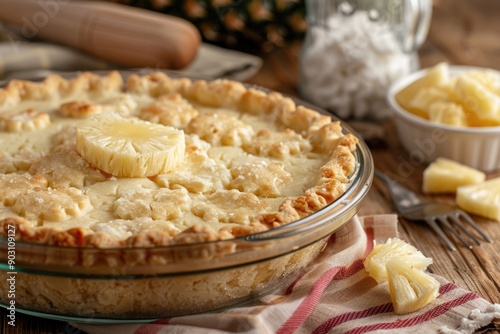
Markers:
425,141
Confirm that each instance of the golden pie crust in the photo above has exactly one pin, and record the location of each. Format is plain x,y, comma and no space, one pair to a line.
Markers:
253,161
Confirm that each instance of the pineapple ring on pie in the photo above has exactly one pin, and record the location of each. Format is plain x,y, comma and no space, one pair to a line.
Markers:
153,160
129,147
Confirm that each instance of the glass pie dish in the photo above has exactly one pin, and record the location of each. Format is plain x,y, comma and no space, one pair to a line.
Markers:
147,282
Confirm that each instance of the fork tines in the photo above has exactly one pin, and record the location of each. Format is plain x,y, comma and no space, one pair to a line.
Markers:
455,218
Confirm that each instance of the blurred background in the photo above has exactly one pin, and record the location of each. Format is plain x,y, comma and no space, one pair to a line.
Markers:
461,31
259,42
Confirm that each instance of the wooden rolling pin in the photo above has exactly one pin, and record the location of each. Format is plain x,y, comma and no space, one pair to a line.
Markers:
117,33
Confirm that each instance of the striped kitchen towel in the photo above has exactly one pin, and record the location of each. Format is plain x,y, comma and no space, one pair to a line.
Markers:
335,296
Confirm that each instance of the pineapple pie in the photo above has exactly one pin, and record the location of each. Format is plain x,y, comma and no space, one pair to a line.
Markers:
150,160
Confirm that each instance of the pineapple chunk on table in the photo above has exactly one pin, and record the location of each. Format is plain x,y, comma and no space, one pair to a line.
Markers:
482,199
402,266
445,176
410,288
375,262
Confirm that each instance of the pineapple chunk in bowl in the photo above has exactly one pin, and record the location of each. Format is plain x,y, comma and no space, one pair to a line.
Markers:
449,111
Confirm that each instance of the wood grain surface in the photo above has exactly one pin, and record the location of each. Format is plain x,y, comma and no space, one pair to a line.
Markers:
462,32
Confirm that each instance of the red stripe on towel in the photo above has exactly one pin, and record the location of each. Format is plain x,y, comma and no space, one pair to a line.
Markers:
309,303
326,326
312,299
431,314
154,327
384,308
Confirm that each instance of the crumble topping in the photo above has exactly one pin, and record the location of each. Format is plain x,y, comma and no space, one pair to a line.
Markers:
66,169
13,186
221,129
172,110
260,178
229,207
277,144
155,84
52,204
79,109
217,93
158,204
27,120
123,105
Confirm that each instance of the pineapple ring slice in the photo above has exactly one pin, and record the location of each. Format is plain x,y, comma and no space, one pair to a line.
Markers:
129,147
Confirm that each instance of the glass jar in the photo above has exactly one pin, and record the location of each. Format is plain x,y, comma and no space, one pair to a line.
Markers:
354,50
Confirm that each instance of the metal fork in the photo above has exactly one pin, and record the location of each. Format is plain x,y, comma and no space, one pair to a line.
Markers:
409,206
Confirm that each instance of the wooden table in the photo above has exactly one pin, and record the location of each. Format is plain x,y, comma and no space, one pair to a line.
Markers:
462,32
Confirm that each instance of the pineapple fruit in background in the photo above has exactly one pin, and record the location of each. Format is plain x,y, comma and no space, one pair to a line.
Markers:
240,24
402,266
445,176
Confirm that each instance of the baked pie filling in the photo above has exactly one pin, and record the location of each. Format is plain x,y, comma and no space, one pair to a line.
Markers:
107,161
